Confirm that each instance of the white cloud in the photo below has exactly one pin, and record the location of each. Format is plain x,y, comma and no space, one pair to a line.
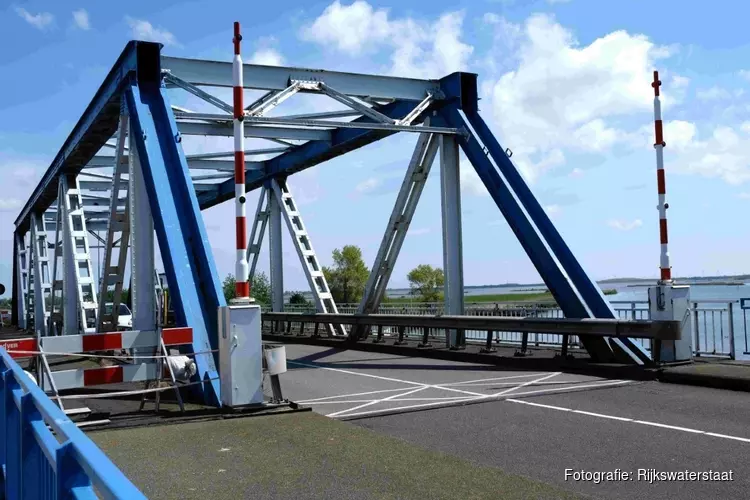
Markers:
349,28
623,225
553,2
744,196
712,94
267,57
744,74
576,173
419,48
680,82
39,21
8,204
144,30
564,95
419,232
81,19
724,153
368,185
470,182
553,210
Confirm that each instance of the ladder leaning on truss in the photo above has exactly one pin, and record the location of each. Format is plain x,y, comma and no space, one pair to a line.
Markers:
119,222
324,302
78,305
323,298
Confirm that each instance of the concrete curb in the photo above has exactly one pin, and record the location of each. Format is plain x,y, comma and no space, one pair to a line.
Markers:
674,375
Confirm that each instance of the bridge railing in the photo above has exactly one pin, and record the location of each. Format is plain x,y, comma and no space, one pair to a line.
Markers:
43,453
431,326
721,328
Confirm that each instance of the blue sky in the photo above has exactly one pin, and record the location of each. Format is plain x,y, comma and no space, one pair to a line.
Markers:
565,85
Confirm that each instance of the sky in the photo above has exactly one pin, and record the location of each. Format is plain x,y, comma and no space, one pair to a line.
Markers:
564,84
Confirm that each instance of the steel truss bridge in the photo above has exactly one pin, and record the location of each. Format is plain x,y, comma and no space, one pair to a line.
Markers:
124,170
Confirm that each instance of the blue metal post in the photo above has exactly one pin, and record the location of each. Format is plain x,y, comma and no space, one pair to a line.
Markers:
31,453
183,241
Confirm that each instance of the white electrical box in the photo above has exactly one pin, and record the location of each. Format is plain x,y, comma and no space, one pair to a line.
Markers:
240,355
672,303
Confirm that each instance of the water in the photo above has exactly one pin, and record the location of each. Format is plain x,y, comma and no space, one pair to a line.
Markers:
628,291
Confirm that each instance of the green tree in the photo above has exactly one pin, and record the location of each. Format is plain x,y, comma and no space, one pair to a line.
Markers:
260,288
426,282
298,299
348,275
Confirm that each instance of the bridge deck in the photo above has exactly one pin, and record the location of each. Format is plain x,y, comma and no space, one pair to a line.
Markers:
538,425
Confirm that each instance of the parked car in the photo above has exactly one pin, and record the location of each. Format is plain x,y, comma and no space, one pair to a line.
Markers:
124,316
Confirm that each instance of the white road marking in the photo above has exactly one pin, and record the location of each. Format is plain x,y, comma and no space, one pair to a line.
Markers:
496,378
572,387
624,419
354,373
377,401
338,402
351,395
530,382
410,407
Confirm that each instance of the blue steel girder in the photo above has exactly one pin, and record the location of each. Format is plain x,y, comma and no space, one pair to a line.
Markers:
312,153
183,241
577,295
97,124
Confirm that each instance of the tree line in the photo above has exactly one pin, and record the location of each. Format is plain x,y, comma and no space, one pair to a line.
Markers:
346,278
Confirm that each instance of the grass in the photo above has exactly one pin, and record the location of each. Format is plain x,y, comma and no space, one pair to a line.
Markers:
497,297
302,455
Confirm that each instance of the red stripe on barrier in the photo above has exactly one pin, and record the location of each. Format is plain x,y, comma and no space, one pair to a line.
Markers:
177,336
663,231
102,376
19,345
241,233
661,183
238,107
666,274
101,342
659,133
239,167
242,289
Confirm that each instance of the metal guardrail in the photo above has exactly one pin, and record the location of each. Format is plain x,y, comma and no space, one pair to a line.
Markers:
663,330
43,453
721,328
282,322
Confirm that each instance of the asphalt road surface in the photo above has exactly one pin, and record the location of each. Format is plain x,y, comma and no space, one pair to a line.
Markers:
538,424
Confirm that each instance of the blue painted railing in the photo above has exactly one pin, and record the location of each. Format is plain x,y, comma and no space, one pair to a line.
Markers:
37,462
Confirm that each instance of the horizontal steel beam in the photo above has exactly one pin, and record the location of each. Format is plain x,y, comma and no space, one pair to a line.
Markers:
219,74
227,154
198,164
662,330
258,131
226,120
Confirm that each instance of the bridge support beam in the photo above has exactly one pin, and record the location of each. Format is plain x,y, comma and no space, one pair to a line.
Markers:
276,251
141,245
450,198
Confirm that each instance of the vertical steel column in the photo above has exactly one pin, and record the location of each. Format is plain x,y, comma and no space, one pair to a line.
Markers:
141,245
69,271
450,197
21,276
276,254
39,250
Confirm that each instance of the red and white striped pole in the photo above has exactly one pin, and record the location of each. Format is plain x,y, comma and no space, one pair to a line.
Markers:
242,287
659,144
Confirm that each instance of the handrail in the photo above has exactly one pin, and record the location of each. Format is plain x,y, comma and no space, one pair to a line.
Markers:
662,330
74,466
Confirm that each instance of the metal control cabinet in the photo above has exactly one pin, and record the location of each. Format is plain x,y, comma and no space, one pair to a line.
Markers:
240,355
672,303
